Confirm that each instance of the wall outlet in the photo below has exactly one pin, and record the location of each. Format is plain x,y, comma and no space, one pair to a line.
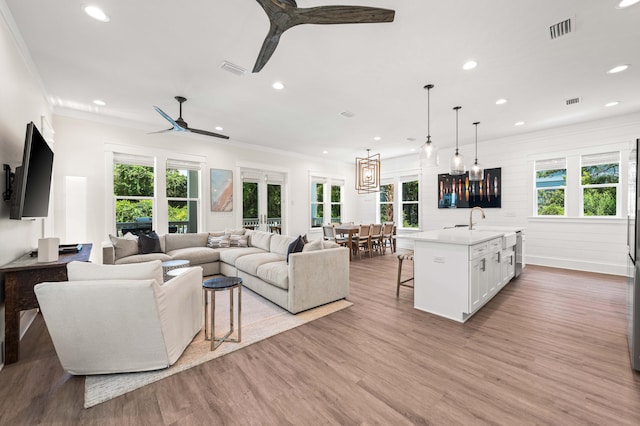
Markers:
438,259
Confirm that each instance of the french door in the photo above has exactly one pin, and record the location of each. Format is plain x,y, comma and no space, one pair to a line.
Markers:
262,200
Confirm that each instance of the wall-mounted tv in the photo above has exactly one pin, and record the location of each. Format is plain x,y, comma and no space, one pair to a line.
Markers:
32,181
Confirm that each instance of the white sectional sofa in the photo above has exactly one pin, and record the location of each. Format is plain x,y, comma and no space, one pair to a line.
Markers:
317,275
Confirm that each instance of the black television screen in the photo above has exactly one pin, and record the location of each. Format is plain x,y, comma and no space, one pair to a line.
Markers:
32,181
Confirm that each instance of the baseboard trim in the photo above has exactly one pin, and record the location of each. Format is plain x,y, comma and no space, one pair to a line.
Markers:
578,265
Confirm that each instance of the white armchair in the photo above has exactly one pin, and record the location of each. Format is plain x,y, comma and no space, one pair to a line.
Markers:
121,318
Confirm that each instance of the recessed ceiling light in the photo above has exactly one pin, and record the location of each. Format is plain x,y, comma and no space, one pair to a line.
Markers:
278,85
96,13
519,123
618,69
218,128
610,104
377,138
627,3
99,102
411,139
325,152
469,65
501,101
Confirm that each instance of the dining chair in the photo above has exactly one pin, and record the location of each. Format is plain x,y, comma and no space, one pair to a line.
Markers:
329,234
388,237
376,238
364,240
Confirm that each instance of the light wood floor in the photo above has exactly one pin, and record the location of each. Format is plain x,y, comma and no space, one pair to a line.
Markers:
549,349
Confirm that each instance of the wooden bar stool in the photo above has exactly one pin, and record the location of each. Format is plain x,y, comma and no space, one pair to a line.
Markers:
401,282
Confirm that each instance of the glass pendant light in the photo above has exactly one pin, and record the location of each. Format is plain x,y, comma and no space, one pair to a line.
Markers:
476,172
456,166
428,151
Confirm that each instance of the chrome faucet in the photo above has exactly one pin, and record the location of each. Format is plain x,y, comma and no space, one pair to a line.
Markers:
471,216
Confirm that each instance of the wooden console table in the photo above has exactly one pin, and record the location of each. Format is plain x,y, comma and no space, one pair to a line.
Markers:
20,276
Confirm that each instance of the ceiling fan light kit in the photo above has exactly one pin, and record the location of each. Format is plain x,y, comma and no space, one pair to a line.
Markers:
428,151
476,172
285,14
456,165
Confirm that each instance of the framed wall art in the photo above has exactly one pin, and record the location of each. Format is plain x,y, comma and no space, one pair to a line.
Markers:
221,190
459,192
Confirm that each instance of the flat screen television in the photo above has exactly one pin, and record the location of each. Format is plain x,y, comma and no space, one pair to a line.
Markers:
32,180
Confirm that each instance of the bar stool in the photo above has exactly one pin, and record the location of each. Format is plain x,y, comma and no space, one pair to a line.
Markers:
402,257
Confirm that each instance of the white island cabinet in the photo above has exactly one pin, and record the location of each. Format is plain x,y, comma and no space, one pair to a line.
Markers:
457,270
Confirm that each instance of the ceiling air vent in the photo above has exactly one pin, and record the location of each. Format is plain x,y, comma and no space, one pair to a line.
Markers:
560,29
347,114
233,68
572,101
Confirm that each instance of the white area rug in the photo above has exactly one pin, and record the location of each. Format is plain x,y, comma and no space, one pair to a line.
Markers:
260,319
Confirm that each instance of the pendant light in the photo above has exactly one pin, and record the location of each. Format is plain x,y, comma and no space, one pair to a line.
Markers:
476,173
456,166
428,151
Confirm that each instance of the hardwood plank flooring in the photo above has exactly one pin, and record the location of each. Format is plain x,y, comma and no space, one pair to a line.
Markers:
549,349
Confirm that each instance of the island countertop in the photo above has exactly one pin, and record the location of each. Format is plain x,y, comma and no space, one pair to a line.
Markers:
462,236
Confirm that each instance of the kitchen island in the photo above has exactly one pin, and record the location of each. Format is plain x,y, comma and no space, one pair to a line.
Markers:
458,270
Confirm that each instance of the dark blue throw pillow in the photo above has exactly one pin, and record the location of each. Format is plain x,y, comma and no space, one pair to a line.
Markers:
296,246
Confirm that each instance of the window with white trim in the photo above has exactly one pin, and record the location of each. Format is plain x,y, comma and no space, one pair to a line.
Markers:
410,207
183,195
550,185
133,192
399,198
326,200
599,183
385,205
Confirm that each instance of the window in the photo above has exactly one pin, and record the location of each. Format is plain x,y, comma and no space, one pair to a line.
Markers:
385,208
600,178
133,190
551,182
336,203
317,204
326,195
183,189
410,206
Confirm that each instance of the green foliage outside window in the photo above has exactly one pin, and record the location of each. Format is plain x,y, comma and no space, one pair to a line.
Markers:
129,180
600,200
274,201
250,200
551,202
129,210
410,217
386,203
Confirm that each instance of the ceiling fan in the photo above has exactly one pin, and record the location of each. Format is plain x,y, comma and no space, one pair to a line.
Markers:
284,14
179,125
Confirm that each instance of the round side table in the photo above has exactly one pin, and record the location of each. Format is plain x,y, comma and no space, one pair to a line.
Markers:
169,265
212,286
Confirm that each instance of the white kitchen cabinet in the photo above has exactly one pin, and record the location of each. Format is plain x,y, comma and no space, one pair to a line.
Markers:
456,271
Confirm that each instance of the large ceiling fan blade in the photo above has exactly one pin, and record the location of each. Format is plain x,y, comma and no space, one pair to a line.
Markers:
343,15
161,131
207,133
175,125
268,47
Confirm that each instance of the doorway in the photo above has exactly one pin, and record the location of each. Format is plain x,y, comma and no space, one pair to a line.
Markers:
262,200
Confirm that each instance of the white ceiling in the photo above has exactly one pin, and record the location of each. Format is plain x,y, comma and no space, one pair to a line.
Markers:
154,50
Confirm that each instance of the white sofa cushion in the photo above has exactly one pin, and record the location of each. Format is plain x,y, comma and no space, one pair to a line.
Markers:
251,262
138,258
280,243
274,273
85,271
178,241
195,255
261,240
231,255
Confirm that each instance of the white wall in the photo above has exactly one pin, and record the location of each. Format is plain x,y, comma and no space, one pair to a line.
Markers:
21,101
80,152
587,244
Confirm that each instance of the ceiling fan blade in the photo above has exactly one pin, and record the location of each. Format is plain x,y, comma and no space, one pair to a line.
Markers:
175,125
343,15
206,133
268,47
161,131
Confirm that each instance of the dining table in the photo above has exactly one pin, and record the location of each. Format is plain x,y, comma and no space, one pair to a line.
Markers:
349,230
